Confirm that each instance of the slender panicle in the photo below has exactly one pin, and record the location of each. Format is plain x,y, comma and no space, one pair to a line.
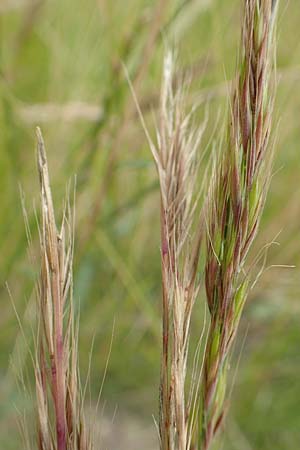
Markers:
176,160
59,404
236,202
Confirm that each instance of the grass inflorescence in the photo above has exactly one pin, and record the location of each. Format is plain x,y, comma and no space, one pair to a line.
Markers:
177,157
240,183
60,418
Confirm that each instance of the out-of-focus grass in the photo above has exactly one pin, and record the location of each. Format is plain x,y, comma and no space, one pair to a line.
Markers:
64,52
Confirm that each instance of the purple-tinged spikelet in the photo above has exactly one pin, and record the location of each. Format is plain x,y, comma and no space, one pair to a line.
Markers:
235,206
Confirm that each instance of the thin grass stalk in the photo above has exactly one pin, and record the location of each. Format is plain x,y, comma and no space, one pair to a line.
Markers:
237,196
60,423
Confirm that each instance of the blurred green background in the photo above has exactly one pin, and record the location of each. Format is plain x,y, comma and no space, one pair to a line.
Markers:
61,69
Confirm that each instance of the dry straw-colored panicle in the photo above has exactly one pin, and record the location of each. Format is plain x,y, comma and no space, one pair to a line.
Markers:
235,206
60,422
176,157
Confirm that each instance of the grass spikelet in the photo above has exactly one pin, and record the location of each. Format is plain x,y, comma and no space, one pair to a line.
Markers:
60,423
235,206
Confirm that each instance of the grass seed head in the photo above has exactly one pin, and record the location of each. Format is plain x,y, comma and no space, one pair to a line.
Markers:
236,201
